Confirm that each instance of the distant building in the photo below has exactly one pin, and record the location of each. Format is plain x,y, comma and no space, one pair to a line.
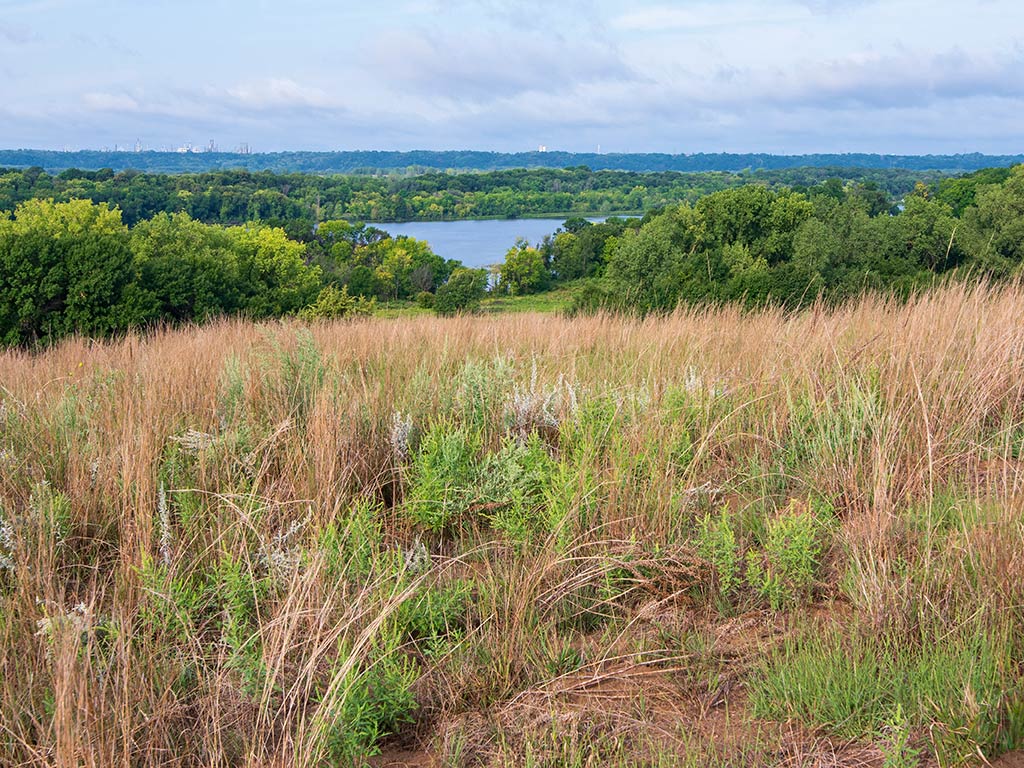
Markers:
542,148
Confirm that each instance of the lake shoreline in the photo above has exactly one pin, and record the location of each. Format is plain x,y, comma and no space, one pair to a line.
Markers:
530,216
478,242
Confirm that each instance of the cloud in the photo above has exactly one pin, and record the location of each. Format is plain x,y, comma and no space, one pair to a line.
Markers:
109,43
705,15
242,100
16,34
533,15
486,67
280,93
873,81
676,75
34,6
109,102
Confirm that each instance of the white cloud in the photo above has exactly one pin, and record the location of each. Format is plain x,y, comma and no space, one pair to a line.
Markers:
280,92
705,15
486,67
109,102
509,74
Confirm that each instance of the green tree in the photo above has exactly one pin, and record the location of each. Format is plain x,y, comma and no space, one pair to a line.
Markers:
463,292
334,304
653,267
273,278
523,271
188,269
64,268
995,225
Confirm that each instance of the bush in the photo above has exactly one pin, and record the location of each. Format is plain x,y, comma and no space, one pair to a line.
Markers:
716,543
378,701
65,268
445,475
436,617
333,304
785,572
425,299
524,270
516,479
463,292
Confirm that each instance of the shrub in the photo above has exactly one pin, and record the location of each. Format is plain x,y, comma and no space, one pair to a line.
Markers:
435,617
463,292
524,270
332,304
444,476
716,543
64,268
516,479
378,700
786,569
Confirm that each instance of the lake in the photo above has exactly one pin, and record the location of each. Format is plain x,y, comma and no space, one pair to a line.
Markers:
476,243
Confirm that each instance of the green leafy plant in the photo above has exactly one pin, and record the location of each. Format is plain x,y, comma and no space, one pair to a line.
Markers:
444,476
785,571
898,749
516,479
716,543
463,292
378,700
436,617
334,304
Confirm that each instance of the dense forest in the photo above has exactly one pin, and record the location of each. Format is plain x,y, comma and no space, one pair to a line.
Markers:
758,245
76,267
296,201
420,160
87,266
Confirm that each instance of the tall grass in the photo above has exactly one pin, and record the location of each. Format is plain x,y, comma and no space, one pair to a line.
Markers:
278,545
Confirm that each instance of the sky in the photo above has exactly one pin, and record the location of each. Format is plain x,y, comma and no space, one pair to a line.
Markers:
783,76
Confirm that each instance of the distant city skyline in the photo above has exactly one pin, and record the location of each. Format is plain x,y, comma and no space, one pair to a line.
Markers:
789,76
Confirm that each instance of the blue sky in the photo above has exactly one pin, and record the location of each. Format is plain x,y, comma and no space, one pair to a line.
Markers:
793,76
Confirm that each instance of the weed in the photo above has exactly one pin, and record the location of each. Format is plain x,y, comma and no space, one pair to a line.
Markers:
444,476
786,570
716,543
377,701
515,481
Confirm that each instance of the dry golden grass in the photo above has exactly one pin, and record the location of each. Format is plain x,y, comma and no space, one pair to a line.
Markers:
888,411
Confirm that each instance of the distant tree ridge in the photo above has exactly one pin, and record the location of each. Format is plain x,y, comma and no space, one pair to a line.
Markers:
297,201
354,161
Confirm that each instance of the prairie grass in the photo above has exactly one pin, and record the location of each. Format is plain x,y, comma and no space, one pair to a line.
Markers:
712,538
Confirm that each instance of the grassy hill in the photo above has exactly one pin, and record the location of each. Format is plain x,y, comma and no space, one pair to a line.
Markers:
708,538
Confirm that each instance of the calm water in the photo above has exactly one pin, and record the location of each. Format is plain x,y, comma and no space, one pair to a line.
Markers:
475,243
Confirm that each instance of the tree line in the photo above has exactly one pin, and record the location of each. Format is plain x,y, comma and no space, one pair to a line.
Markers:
418,161
790,246
76,267
298,201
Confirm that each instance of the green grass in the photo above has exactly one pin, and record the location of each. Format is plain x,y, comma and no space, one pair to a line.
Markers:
555,300
391,310
958,685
